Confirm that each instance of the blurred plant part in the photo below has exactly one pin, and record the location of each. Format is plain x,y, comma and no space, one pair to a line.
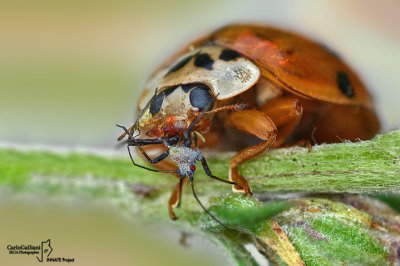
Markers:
308,229
333,230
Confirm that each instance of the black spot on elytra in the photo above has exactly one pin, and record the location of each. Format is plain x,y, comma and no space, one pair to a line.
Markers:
344,84
288,52
179,65
228,55
204,61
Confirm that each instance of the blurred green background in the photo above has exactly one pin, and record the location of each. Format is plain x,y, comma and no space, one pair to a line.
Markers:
70,70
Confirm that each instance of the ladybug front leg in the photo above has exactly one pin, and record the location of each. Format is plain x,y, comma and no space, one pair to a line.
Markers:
255,123
286,113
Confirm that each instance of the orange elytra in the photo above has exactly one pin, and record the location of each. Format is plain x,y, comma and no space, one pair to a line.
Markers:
247,88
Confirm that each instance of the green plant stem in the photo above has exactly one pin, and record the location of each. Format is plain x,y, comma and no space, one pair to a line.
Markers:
362,167
368,166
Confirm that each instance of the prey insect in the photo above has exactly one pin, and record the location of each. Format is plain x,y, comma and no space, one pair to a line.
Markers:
181,149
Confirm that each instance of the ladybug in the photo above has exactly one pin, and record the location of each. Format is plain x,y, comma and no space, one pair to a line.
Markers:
247,88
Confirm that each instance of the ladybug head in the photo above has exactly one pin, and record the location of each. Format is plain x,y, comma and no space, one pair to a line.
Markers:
172,109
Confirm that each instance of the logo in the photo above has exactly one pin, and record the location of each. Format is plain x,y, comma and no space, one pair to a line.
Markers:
45,249
41,251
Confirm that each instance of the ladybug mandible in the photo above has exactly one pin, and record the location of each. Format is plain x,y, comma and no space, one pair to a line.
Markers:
249,88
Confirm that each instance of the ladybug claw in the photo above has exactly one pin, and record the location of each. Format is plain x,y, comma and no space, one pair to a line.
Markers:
241,184
172,215
247,191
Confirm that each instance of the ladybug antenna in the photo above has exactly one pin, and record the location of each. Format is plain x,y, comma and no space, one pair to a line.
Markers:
232,107
204,208
128,132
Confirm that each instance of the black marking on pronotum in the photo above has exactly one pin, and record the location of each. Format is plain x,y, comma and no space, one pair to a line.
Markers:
156,102
169,90
187,87
190,86
201,97
228,55
179,65
344,84
204,61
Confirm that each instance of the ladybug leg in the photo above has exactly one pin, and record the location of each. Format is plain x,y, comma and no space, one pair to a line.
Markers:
286,113
336,123
256,123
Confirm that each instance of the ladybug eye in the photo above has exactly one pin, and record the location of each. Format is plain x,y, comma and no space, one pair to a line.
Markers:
155,103
200,97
